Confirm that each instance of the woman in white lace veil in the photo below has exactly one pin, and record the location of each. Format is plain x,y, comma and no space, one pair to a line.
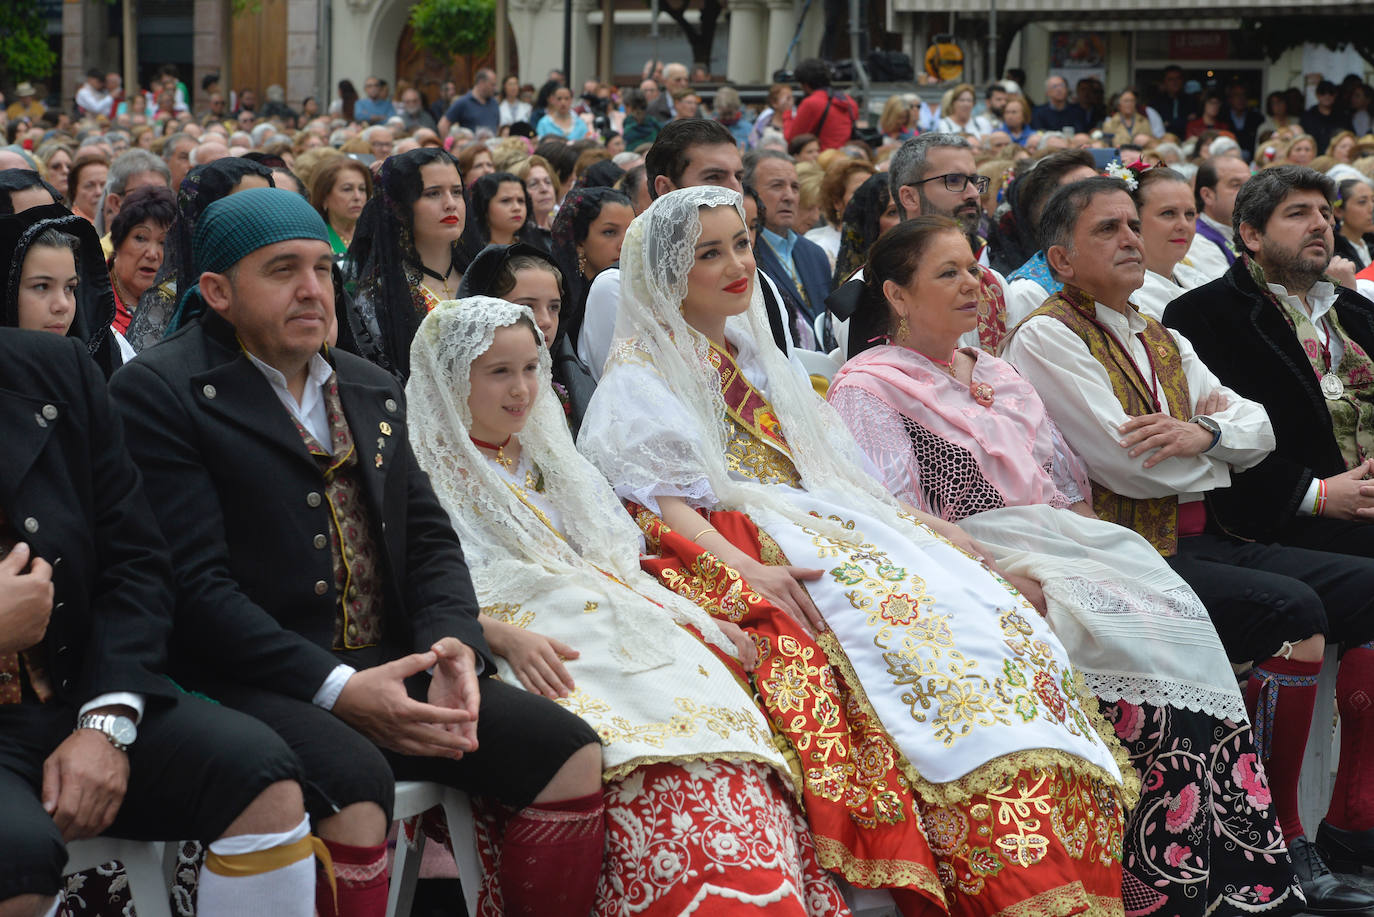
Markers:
568,612
969,438
698,424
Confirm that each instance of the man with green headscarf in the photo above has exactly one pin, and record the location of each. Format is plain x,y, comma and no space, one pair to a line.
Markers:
323,588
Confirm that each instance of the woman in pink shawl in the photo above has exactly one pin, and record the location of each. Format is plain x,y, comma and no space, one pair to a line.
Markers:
957,433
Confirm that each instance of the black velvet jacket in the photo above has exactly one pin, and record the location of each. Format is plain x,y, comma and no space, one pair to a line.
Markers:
1246,341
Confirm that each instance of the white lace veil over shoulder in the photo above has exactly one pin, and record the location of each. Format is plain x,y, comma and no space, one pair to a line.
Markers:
652,337
510,551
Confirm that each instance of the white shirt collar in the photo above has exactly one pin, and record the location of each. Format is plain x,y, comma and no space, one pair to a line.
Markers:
1320,299
318,373
1130,321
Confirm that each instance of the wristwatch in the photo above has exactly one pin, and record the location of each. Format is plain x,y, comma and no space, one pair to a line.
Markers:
1212,427
120,730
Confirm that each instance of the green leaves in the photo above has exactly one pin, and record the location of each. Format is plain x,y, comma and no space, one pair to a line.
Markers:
451,27
24,51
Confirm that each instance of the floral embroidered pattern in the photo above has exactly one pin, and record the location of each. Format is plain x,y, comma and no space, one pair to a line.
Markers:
690,719
509,614
1203,839
1041,817
939,684
746,454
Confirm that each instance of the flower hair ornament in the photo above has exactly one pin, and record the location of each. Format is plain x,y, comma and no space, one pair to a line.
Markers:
1129,174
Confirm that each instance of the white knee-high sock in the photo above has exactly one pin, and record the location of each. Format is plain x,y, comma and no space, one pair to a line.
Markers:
287,891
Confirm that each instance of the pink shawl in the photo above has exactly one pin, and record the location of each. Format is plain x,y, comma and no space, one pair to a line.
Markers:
1013,439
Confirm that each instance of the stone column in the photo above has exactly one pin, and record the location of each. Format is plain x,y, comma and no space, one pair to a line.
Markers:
782,22
210,42
73,63
583,64
744,63
303,48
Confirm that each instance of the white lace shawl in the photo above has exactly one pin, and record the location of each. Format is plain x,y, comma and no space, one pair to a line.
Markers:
673,377
512,554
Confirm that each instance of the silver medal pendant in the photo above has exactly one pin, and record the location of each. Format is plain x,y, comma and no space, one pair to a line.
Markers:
1332,387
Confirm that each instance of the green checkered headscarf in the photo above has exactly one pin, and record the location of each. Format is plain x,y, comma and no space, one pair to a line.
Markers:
234,227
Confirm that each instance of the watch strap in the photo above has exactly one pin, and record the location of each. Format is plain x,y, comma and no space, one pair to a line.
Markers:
102,723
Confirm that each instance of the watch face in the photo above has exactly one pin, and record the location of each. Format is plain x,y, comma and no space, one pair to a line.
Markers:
123,730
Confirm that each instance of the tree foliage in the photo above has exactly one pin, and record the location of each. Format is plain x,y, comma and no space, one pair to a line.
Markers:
24,51
452,27
1276,34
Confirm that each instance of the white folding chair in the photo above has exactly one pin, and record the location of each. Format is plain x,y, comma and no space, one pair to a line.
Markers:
817,364
143,864
414,797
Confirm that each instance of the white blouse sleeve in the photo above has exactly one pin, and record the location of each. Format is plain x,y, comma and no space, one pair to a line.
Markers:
644,440
881,434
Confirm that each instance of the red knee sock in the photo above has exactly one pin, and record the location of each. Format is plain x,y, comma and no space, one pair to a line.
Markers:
551,858
360,874
1280,696
1352,802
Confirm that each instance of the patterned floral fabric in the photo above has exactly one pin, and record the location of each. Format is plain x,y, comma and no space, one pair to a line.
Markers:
1157,519
359,618
684,838
1204,838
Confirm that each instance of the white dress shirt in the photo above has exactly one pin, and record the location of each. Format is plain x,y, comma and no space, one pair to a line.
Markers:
1076,389
1204,255
312,414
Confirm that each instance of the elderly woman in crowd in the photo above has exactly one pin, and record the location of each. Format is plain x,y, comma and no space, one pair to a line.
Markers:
958,433
139,237
838,185
728,450
406,257
86,183
339,190
689,760
159,311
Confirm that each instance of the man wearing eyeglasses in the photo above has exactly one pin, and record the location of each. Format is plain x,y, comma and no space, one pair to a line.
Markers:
375,107
934,174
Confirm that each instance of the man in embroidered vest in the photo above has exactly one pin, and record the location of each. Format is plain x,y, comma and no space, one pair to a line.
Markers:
1160,436
935,174
1218,181
1279,331
329,593
92,737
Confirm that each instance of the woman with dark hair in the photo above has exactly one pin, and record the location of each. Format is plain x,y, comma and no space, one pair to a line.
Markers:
871,212
338,192
21,189
501,214
343,105
1209,119
587,234
55,280
541,101
1355,211
956,432
138,236
406,256
159,312
804,148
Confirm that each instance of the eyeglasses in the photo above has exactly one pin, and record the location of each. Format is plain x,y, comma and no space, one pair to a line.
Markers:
956,182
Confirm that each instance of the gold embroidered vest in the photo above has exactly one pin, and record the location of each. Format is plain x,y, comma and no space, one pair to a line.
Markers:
756,448
1155,519
358,619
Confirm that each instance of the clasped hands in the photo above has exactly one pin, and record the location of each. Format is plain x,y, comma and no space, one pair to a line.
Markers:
375,702
1160,436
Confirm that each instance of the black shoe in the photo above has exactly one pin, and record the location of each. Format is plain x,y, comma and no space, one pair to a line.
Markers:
1325,893
1345,851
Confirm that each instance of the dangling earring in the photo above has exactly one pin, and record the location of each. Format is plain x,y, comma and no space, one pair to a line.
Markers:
582,263
903,329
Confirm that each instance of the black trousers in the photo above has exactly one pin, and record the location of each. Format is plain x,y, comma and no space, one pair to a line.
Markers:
522,738
1260,595
194,768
